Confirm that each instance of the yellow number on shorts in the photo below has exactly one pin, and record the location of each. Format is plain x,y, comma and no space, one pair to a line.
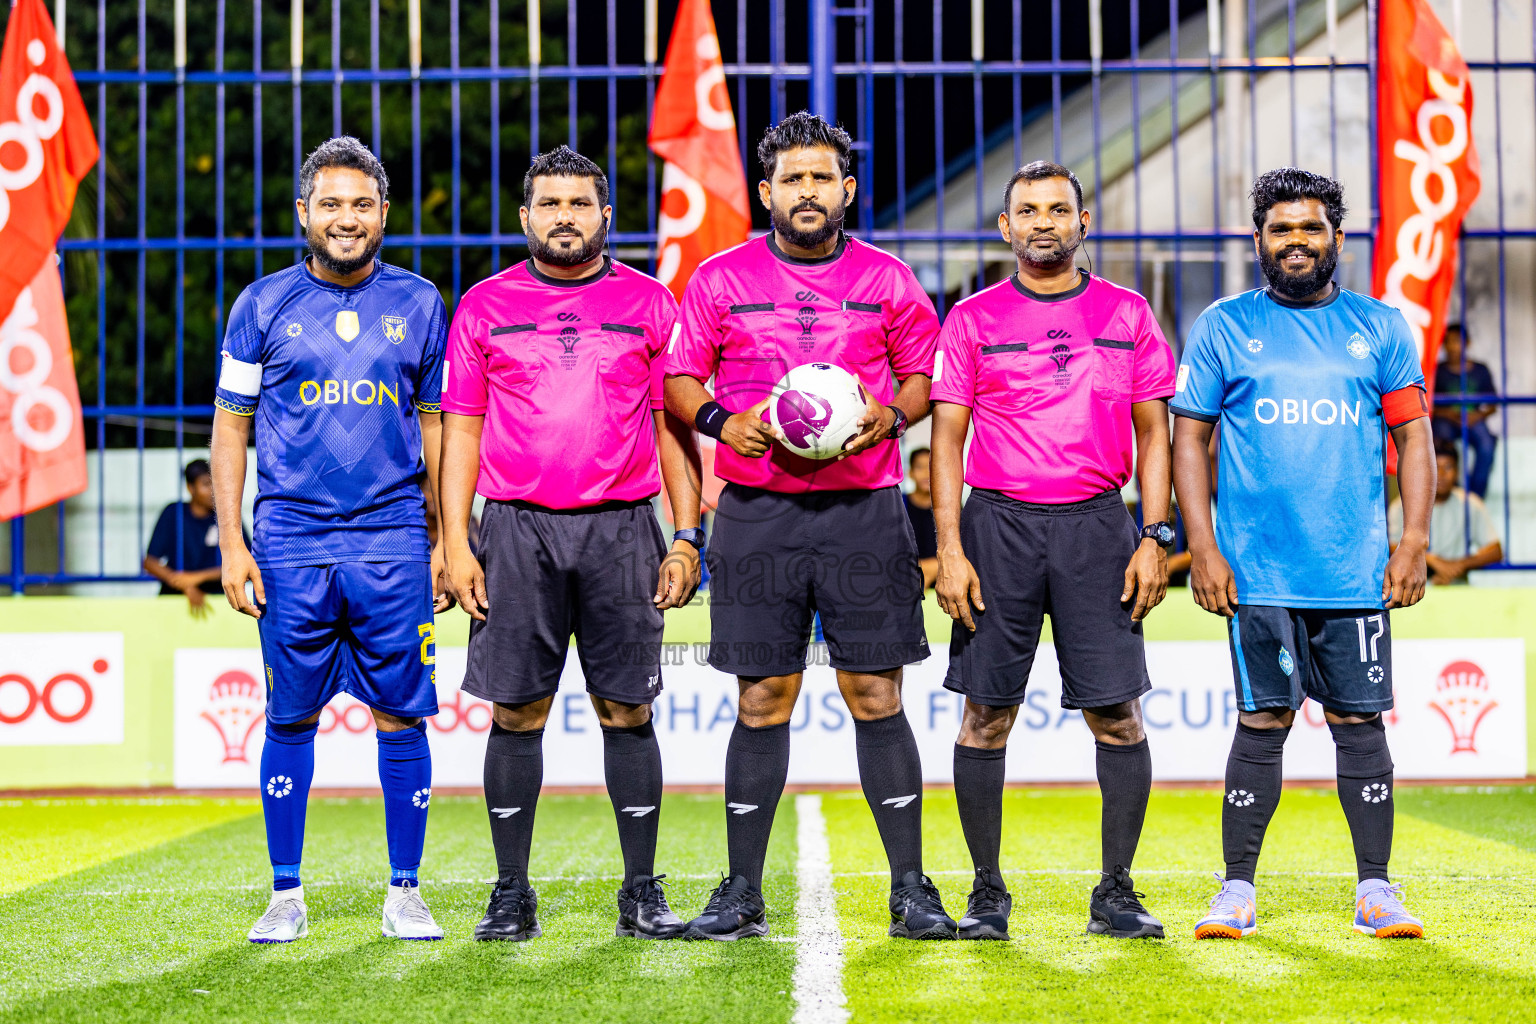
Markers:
425,630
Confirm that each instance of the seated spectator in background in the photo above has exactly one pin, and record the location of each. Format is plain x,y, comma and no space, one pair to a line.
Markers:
1447,419
920,511
1461,532
196,572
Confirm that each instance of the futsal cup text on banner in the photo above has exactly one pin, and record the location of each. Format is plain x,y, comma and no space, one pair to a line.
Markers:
46,147
1429,169
1460,714
703,187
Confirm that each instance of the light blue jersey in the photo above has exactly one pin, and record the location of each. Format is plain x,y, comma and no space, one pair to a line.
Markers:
335,378
1301,510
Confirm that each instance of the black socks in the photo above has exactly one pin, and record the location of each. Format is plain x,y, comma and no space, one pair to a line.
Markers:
1365,791
514,771
1253,793
892,776
1125,783
756,765
979,797
632,767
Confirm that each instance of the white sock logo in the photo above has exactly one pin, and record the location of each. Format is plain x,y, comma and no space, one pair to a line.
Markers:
899,801
1375,793
421,797
637,812
505,812
742,808
1240,798
279,786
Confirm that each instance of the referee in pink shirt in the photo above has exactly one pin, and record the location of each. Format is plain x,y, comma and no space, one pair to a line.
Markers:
795,537
1060,371
552,405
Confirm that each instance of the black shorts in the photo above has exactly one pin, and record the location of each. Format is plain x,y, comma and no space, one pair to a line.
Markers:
777,559
1341,658
549,574
1065,561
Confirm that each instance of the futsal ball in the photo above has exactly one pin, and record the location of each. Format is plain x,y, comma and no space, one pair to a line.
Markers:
817,407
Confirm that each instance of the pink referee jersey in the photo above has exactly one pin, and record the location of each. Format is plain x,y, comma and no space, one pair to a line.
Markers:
752,313
567,374
1051,380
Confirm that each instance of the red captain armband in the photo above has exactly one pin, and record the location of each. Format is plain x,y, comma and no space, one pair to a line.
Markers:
1404,405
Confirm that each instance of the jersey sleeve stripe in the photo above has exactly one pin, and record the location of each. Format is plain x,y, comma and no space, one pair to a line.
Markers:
238,410
1203,417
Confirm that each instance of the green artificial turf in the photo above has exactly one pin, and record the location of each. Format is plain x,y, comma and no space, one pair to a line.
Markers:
123,910
1465,856
159,934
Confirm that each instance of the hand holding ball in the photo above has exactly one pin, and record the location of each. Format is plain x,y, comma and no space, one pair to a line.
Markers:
816,408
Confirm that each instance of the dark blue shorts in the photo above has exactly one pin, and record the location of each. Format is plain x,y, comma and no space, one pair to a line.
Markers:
1341,658
363,628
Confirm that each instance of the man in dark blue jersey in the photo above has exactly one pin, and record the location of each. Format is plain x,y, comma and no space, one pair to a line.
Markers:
338,363
1305,379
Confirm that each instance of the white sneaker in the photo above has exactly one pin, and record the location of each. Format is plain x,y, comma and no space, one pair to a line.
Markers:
406,915
286,919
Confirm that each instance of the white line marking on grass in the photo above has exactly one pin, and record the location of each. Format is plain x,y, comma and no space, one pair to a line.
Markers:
819,997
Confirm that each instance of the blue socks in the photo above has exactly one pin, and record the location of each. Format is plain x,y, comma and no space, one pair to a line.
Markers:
287,767
405,772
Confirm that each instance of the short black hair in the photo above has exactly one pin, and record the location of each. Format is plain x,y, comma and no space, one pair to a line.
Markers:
1448,449
1290,184
196,469
1459,329
1040,170
564,162
915,452
342,151
803,131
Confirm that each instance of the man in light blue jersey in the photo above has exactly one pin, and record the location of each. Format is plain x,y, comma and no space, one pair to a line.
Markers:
338,363
1305,379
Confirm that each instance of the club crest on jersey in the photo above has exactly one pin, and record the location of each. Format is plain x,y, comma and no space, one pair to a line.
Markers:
347,326
1357,346
568,339
1061,355
1287,665
806,318
394,328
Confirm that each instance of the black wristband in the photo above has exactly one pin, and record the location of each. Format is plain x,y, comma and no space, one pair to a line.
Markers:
710,419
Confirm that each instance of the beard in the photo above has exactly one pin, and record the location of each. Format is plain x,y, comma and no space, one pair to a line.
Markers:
784,224
317,242
545,251
1060,255
1299,286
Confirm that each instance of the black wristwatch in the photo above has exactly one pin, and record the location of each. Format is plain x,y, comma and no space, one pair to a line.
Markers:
694,536
899,427
1160,532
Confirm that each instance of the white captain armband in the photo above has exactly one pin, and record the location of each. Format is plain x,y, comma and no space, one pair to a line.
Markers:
240,378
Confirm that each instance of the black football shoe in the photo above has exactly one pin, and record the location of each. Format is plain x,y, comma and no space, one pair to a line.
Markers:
1115,909
512,915
643,911
916,911
987,908
735,911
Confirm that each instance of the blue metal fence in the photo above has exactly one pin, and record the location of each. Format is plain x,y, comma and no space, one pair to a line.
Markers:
929,91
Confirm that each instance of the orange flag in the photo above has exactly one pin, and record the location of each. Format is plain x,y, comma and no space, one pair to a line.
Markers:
703,187
46,147
1429,169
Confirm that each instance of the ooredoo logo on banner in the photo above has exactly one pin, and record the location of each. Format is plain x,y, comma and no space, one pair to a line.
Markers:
1460,714
61,689
220,726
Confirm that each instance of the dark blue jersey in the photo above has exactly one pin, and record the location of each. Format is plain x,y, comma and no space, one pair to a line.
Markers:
1302,496
335,378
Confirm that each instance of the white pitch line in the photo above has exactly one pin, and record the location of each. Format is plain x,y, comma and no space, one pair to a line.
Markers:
818,981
